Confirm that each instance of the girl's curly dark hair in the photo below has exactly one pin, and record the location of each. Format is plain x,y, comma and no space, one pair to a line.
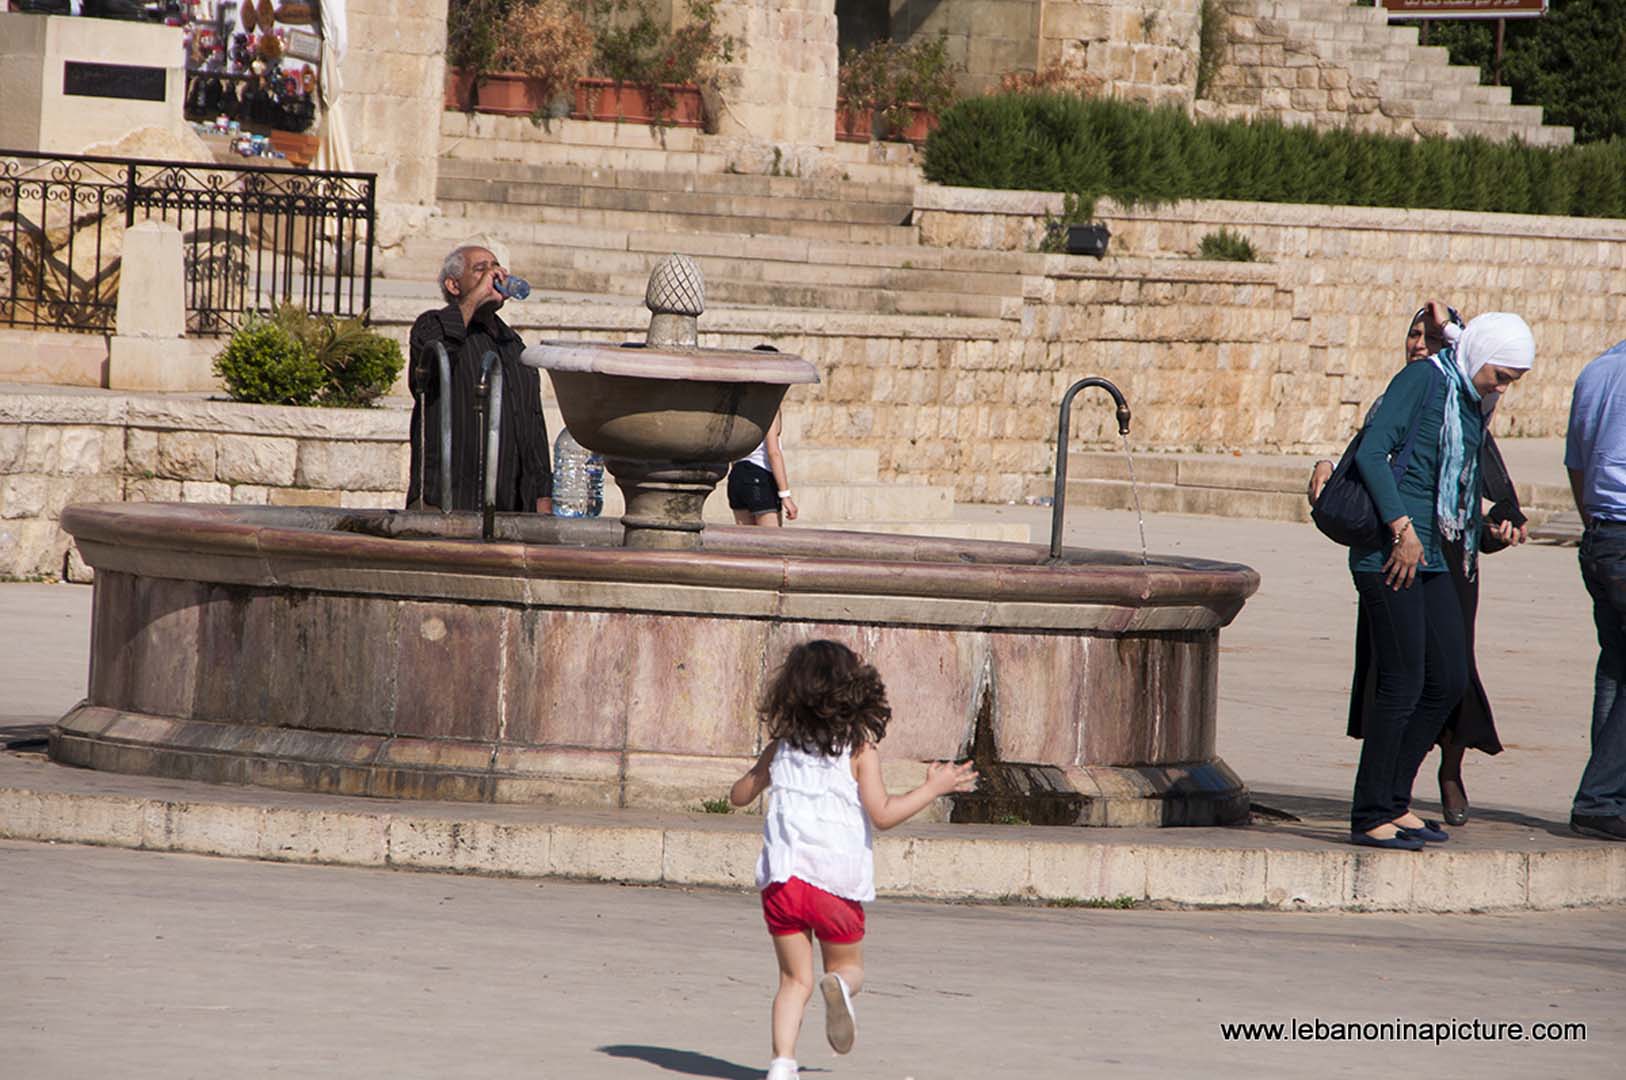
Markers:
825,699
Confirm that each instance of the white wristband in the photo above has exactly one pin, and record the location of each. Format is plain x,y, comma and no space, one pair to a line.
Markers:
784,494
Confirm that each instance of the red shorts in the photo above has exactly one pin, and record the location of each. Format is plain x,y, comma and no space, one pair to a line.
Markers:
794,906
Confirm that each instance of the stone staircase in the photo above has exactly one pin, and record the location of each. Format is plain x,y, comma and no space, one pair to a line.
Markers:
1313,61
778,242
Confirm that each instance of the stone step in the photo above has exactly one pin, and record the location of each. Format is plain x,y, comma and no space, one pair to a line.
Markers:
421,258
478,137
449,229
482,213
701,183
1269,487
901,297
720,204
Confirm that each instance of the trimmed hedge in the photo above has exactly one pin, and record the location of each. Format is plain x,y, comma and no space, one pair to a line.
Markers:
1138,154
294,358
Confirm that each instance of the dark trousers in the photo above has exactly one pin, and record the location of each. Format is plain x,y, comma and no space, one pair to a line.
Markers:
1421,655
1603,567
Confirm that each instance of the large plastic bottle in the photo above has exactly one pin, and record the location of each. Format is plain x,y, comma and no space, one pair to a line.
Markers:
578,478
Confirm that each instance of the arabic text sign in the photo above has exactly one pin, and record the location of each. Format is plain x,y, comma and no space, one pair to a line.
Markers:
1464,9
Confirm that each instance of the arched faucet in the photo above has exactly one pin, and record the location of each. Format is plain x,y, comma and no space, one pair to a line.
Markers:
1059,503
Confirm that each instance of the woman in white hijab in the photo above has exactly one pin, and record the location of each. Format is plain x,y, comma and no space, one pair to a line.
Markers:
1418,595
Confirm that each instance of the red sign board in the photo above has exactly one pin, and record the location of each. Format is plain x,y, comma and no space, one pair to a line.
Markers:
1464,9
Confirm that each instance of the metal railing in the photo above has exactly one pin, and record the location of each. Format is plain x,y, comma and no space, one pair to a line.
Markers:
252,237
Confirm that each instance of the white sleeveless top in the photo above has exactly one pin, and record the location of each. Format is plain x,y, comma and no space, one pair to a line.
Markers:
759,456
814,827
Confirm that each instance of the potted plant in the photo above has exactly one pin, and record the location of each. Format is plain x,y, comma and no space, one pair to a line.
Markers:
902,87
472,28
647,72
543,48
862,83
513,57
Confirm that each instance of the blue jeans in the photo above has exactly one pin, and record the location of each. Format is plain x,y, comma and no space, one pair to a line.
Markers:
1603,567
1421,657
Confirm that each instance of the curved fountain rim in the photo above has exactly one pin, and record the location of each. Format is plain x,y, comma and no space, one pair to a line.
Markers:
702,364
124,535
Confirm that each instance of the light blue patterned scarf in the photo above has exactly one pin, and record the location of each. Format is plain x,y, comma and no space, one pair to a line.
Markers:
1457,488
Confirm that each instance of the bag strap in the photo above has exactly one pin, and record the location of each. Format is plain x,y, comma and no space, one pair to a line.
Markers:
1404,457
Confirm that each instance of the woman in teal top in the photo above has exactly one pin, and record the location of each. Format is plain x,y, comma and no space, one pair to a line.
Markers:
1415,618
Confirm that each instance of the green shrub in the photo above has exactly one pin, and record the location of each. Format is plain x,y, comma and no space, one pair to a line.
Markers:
295,358
1138,154
266,365
1227,246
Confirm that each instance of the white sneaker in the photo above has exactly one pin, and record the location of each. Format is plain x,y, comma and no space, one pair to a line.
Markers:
840,1025
782,1069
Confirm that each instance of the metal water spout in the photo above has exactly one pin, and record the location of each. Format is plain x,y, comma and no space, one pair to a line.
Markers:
1058,504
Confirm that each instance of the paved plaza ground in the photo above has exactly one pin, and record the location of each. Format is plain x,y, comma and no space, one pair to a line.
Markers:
139,964
144,966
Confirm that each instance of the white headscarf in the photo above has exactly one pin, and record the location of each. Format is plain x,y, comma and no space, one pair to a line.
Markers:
1496,337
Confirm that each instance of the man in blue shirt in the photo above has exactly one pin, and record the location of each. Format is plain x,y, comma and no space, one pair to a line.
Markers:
1595,455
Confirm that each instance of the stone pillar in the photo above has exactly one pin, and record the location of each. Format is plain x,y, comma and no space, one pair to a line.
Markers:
779,89
394,76
150,351
55,86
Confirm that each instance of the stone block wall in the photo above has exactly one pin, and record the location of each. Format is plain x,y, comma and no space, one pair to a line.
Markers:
61,448
780,86
984,38
1132,50
1286,353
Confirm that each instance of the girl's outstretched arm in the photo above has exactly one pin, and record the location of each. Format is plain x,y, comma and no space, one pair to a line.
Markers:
755,780
889,810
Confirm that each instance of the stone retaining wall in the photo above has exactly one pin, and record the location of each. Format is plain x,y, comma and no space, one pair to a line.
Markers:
1308,335
66,448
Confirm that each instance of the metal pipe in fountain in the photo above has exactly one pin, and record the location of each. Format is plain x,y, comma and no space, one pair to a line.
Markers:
1058,505
488,414
443,369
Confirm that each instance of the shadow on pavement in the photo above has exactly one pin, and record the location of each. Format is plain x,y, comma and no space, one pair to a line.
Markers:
1314,813
687,1062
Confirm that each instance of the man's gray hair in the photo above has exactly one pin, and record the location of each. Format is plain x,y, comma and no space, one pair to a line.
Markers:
454,266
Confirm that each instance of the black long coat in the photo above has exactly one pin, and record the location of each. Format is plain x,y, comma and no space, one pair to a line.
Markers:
1471,723
523,472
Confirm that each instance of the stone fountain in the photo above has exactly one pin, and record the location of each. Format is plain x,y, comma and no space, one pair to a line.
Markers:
668,415
391,653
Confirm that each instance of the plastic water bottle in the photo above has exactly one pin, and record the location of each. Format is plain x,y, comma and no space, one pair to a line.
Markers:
513,287
578,479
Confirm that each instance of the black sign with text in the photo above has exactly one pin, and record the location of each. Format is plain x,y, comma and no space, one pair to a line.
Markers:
127,81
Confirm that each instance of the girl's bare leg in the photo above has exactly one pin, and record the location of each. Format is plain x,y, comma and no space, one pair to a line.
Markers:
846,960
770,519
795,955
744,517
843,965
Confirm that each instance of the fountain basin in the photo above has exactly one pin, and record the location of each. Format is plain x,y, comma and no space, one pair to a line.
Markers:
389,653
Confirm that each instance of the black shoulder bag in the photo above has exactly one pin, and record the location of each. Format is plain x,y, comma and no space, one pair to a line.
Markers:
1345,512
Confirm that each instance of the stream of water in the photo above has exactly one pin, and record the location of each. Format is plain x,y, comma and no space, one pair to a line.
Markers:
1134,490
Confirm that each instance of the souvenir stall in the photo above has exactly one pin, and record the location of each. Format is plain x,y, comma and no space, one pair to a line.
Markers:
253,71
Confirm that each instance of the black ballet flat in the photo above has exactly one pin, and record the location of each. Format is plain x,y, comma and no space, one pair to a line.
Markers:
1456,811
1398,842
1430,832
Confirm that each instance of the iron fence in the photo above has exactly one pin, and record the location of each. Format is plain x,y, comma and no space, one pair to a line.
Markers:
252,237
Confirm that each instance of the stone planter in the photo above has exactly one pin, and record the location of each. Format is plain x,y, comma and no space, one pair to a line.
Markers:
852,124
606,99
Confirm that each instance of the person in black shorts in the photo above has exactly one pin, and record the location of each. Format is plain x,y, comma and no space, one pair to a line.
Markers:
758,486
